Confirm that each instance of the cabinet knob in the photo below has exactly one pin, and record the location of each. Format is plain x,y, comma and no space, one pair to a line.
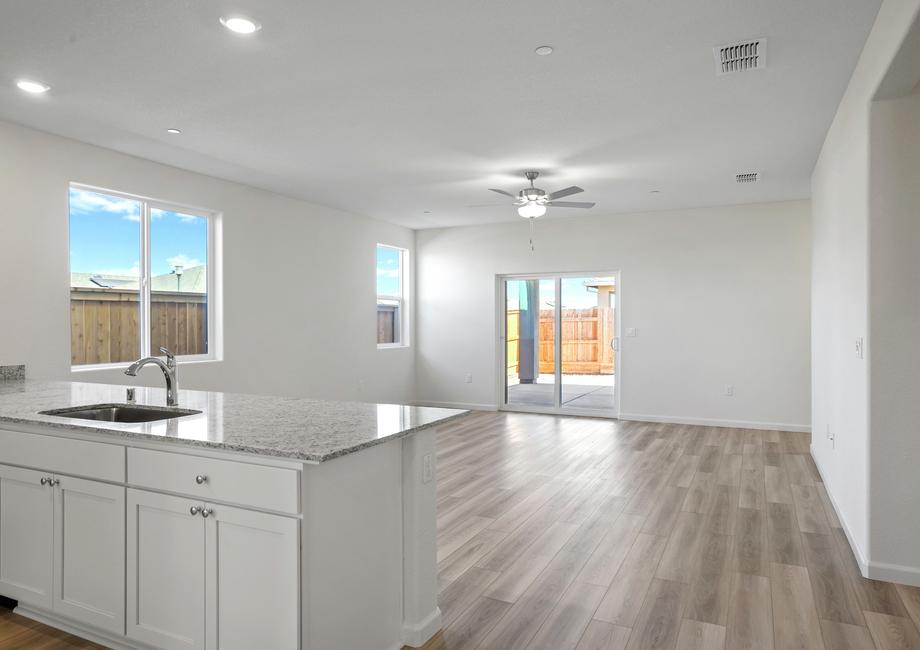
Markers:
206,512
44,481
194,510
200,479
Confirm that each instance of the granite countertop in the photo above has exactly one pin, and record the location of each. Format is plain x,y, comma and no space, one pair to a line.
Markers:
304,429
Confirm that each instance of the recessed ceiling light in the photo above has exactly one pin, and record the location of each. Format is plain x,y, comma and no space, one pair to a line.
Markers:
544,50
33,87
174,131
240,24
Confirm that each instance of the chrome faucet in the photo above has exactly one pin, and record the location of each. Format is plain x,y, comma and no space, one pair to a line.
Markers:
170,371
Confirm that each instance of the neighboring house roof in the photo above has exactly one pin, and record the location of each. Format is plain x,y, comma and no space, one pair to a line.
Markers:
600,282
194,280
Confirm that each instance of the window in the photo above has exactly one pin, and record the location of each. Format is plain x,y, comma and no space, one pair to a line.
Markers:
139,279
391,296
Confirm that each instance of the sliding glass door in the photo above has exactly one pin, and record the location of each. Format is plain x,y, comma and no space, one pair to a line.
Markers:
560,343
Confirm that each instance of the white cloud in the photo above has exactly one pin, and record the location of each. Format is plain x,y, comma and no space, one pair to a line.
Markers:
184,218
85,202
134,271
387,273
184,261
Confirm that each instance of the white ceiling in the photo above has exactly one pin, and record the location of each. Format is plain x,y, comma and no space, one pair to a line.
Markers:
392,108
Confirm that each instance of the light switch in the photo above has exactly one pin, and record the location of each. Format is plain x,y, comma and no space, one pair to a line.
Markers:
632,331
860,348
427,469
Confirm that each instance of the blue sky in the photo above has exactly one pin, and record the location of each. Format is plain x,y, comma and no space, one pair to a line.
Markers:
105,236
387,271
574,293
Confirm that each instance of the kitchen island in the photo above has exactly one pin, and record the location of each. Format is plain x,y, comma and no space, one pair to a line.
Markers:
252,522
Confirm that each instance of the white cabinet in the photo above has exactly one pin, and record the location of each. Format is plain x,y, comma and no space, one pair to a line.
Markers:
145,566
62,545
226,581
89,552
253,580
166,571
26,535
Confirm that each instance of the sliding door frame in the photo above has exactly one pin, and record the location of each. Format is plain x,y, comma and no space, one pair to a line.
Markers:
502,352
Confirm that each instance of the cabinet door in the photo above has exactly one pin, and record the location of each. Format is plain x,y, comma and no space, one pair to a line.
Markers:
166,571
26,535
89,552
254,571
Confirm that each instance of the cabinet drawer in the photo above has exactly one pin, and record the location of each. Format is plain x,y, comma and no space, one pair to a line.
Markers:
246,484
96,460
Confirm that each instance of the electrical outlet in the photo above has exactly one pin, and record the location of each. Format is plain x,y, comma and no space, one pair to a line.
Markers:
860,348
831,437
729,390
469,379
632,331
427,469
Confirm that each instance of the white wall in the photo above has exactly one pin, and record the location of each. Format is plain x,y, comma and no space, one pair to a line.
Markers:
894,309
299,279
860,468
719,296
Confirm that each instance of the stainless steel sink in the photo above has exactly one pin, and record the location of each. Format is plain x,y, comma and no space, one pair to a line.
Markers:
120,413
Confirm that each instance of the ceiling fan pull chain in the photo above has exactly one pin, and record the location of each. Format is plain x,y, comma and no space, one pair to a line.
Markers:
531,234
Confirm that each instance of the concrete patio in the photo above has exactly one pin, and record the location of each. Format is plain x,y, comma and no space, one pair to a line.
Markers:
594,392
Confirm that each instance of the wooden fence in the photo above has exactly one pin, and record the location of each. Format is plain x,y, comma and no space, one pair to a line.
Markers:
586,338
104,324
387,324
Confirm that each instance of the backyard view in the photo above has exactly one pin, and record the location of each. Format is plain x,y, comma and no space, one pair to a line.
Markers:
587,355
105,279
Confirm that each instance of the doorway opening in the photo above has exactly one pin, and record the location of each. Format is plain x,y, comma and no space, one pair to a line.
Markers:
560,343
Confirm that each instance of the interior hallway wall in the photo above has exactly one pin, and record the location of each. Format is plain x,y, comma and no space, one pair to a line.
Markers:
894,326
858,436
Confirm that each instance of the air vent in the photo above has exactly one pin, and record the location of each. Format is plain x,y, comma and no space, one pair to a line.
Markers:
749,177
741,56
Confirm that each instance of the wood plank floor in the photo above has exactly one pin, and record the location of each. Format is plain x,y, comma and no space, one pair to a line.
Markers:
586,534
575,533
20,633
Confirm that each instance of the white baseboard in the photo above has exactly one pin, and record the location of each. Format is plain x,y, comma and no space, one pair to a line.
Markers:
905,575
105,639
664,419
733,424
469,406
415,635
861,558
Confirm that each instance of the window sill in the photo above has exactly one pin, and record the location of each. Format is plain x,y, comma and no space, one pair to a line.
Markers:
393,346
124,364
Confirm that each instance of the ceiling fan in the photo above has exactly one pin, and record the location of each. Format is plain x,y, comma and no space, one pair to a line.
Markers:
532,202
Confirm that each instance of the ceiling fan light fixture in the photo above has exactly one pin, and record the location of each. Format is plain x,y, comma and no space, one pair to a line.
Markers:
240,24
32,87
532,209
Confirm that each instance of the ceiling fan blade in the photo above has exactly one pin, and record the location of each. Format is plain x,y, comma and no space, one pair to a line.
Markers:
566,192
570,204
488,205
492,189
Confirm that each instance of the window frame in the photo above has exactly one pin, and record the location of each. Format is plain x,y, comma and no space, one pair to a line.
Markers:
401,301
215,328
